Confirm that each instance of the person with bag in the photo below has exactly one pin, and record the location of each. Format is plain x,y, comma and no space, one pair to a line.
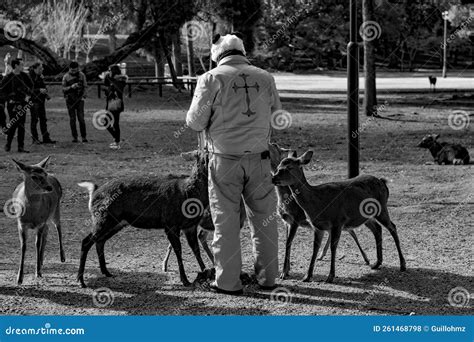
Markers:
115,83
74,89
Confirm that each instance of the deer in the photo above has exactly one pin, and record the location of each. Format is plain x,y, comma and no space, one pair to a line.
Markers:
445,153
338,206
172,203
432,80
293,214
35,202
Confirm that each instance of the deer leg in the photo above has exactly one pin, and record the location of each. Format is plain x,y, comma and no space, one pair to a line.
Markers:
23,237
318,236
164,266
385,221
57,224
376,229
202,236
100,244
193,242
290,232
87,243
173,237
41,238
326,247
354,236
335,235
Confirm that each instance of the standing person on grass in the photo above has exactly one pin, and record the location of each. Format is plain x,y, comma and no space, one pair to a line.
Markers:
233,103
74,89
38,109
3,116
115,83
17,87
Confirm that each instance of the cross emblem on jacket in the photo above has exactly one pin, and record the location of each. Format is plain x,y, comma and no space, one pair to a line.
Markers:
247,97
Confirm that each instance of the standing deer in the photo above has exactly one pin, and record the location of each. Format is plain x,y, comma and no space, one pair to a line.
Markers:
339,205
38,199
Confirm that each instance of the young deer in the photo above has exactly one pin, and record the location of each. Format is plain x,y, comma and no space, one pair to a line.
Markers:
174,204
339,205
292,213
37,200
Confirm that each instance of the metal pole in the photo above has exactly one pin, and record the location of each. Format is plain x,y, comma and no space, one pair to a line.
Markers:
353,94
445,47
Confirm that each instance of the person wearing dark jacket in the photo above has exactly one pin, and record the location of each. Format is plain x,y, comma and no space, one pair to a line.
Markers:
17,88
38,110
115,83
74,89
3,117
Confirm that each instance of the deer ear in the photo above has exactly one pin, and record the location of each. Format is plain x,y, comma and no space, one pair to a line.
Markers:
306,157
19,165
435,136
42,164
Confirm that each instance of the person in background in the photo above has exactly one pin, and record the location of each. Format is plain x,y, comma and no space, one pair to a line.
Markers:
3,115
38,110
74,89
115,83
17,87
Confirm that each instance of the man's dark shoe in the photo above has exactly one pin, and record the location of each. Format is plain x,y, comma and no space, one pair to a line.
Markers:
84,140
215,289
22,150
75,140
7,148
49,141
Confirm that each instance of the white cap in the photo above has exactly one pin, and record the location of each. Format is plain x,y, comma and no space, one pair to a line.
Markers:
225,43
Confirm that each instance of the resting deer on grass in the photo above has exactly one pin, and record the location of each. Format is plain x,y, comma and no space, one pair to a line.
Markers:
339,205
35,201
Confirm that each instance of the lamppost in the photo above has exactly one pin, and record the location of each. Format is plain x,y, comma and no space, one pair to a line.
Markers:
445,43
353,94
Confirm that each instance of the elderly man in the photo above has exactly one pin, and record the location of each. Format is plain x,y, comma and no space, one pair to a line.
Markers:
233,103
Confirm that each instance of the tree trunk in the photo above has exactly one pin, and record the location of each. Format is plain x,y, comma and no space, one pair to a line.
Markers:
112,40
176,56
190,54
159,59
164,48
370,91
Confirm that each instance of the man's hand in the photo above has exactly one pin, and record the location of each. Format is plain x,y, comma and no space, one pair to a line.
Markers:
75,86
43,91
